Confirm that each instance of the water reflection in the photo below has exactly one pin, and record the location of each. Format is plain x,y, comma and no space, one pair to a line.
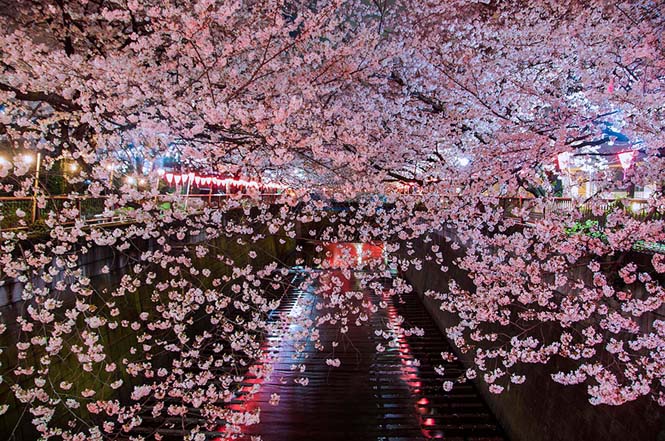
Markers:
372,394
409,367
349,255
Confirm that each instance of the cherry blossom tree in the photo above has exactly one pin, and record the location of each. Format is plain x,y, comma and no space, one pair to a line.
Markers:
463,103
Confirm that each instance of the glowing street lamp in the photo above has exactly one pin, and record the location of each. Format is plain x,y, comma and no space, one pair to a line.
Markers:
111,169
29,159
4,166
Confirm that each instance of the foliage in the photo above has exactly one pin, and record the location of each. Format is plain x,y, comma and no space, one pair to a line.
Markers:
589,228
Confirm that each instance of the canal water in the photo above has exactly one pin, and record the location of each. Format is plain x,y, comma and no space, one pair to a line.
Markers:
378,381
368,373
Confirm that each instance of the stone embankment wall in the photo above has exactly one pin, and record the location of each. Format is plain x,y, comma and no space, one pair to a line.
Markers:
17,422
540,409
91,264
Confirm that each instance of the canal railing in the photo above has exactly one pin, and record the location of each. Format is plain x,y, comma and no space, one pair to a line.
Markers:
19,212
597,209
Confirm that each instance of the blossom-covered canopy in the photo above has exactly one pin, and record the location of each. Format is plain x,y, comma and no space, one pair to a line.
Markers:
422,120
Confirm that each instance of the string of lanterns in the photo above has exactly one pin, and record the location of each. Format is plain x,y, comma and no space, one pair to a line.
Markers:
175,179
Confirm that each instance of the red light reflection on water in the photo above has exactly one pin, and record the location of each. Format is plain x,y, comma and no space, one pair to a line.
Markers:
348,254
246,400
342,256
409,371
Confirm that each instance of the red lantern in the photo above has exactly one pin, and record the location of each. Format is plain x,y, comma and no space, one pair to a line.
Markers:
610,86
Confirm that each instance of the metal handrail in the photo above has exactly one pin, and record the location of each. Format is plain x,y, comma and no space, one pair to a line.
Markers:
636,207
93,216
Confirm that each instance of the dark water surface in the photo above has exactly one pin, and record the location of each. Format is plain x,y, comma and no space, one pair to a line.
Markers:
391,395
372,395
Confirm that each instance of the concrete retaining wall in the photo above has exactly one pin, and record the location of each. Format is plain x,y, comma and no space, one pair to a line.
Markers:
540,409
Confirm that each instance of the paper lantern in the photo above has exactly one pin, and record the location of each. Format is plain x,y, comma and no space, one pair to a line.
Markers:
626,159
563,159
